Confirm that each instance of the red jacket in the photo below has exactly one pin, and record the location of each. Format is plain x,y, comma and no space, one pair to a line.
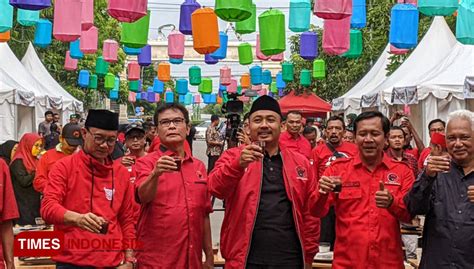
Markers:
77,183
300,144
45,164
241,190
367,237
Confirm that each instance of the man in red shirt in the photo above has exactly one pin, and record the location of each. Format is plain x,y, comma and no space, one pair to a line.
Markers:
368,200
174,226
8,212
69,140
396,151
89,198
435,126
292,138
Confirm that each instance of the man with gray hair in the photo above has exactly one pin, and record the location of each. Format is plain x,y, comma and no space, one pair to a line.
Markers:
444,192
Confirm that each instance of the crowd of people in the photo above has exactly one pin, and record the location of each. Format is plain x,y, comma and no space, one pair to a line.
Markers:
290,184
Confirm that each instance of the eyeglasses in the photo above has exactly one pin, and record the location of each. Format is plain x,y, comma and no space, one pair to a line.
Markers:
99,140
167,123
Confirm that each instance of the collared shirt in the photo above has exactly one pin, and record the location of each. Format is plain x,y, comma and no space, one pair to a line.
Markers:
300,144
406,158
212,135
323,157
367,237
448,234
274,225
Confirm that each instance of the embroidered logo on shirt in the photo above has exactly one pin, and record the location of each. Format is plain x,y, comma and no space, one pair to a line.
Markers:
301,172
392,178
109,193
199,174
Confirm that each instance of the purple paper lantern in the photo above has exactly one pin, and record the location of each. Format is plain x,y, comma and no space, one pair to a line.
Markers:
150,95
31,4
209,60
281,92
187,8
309,45
144,58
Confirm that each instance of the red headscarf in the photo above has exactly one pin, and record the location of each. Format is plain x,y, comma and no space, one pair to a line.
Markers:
23,152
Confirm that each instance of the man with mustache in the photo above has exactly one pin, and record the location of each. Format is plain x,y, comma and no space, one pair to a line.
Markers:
292,138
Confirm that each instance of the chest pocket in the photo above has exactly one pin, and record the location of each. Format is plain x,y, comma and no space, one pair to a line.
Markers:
348,193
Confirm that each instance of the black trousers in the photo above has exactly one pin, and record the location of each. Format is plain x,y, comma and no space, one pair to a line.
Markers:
211,162
258,266
60,265
328,228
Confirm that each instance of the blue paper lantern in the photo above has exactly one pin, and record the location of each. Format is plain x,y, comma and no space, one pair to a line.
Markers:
31,4
144,58
27,17
256,75
181,86
465,23
150,95
144,96
169,97
221,52
113,95
138,96
188,100
309,45
213,98
222,88
359,14
209,98
182,99
74,49
404,26
280,83
132,51
117,84
267,77
43,33
6,16
300,15
158,86
187,8
208,59
83,79
176,61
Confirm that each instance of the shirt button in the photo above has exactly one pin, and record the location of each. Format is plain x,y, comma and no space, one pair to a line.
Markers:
459,212
457,227
190,246
271,168
462,195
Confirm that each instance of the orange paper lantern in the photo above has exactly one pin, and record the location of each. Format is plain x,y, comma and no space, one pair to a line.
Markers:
245,81
5,37
164,70
205,31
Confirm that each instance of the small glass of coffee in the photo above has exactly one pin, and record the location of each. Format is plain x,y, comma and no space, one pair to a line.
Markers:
336,180
178,162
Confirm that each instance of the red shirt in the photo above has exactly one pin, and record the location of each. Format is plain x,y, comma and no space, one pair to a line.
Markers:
414,152
133,176
8,207
155,145
407,158
82,184
45,164
300,144
170,227
322,156
423,155
367,237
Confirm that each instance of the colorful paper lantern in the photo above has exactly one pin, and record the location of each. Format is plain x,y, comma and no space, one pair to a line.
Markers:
31,4
43,33
267,77
305,78
245,81
280,83
181,99
249,25
256,75
109,81
319,69
465,23
232,88
93,82
309,45
144,58
359,14
27,17
117,84
150,95
169,97
245,54
110,51
188,99
404,26
158,86
356,46
258,52
209,98
132,51
300,15
89,39
101,66
176,61
133,71
164,70
138,95
197,99
438,7
135,34
287,71
181,86
126,10
132,97
225,76
277,57
336,36
83,79
208,59
176,45
272,32
333,9
273,88
67,25
87,20
221,52
397,51
233,11
113,95
205,86
186,10
75,49
134,85
6,16
205,31
194,75
70,64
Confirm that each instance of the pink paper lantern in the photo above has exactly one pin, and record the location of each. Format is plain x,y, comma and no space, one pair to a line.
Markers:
67,20
278,57
397,51
87,14
413,2
258,52
232,88
127,10
176,45
89,39
132,97
226,76
133,71
333,9
197,99
70,64
110,50
336,36
157,97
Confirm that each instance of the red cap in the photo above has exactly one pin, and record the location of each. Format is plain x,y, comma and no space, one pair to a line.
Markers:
438,139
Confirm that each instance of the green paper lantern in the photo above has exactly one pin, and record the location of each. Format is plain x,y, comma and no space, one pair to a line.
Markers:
272,32
109,81
195,75
135,34
287,71
319,69
305,78
245,54
206,86
93,79
233,10
355,49
239,90
101,67
273,87
134,85
437,7
249,25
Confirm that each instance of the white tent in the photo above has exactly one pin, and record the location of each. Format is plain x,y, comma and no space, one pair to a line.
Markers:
58,98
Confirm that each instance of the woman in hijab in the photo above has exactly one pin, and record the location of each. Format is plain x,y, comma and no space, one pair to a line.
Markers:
22,169
7,150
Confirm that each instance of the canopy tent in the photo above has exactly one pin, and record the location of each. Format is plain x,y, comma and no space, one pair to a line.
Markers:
308,104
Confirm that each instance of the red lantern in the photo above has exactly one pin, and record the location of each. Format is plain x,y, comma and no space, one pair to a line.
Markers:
336,36
133,71
226,76
67,20
176,45
127,10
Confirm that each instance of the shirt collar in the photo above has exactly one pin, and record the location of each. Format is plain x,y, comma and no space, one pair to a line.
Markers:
386,161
